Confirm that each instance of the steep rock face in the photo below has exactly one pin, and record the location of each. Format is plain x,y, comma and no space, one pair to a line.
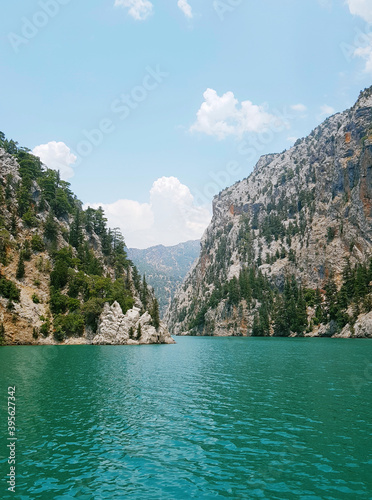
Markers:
361,329
301,212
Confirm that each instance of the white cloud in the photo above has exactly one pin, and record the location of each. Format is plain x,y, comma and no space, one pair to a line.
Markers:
221,116
292,139
185,7
326,110
366,54
301,108
361,8
138,9
170,217
57,156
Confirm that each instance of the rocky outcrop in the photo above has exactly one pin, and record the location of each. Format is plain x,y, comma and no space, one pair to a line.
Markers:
130,328
361,329
302,212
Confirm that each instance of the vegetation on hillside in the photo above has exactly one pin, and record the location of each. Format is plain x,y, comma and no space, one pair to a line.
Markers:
41,217
277,310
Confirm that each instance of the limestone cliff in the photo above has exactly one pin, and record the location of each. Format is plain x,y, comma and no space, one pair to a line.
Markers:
305,213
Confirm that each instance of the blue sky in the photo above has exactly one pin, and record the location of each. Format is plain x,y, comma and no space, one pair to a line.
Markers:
151,107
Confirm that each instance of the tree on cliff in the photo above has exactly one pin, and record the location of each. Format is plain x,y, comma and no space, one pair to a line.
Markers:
20,267
155,314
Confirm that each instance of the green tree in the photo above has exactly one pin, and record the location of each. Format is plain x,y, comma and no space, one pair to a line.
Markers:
50,228
20,267
331,299
139,331
2,334
144,292
234,291
281,318
92,310
76,234
37,243
155,314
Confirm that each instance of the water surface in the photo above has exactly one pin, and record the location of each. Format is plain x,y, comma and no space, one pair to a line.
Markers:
206,418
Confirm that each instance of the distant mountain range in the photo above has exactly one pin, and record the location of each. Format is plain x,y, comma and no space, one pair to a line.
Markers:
165,267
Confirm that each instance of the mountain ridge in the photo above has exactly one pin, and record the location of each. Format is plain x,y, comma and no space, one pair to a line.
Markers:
301,213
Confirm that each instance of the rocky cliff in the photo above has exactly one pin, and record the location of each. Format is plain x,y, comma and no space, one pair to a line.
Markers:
297,233
64,276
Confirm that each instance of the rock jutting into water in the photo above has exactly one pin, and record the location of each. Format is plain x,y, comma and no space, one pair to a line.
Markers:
129,328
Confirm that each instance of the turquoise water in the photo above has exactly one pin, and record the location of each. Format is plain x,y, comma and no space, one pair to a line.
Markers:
206,418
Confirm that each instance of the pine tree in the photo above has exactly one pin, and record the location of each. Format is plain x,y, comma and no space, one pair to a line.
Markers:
155,314
139,331
234,291
50,228
20,267
76,234
256,328
8,188
13,224
144,292
348,281
2,334
361,282
331,299
301,313
281,318
319,311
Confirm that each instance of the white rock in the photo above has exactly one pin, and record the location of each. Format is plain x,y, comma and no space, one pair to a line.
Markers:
114,327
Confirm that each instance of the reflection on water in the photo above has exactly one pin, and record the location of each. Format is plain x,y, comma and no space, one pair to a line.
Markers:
205,418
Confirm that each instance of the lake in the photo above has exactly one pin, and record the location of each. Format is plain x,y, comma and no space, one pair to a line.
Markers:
206,418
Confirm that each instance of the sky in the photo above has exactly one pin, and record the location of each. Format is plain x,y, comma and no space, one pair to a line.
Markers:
149,108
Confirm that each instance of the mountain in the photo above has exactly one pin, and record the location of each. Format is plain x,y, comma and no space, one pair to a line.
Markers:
288,250
64,276
165,267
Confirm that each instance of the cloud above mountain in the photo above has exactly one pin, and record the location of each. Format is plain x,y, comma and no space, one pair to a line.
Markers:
223,116
57,156
171,216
